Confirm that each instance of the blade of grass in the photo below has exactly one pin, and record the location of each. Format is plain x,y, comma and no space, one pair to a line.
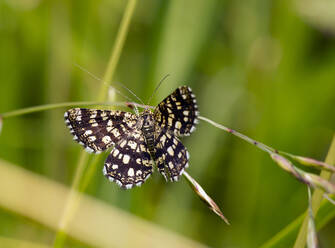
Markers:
11,243
95,223
285,237
316,198
113,61
71,204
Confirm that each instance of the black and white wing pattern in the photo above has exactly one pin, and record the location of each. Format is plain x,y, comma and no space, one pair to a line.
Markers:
171,156
129,164
98,130
178,112
138,140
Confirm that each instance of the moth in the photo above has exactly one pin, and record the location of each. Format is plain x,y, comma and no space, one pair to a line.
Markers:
138,142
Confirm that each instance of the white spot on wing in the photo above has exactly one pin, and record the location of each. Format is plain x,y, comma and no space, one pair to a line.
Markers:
128,186
115,166
116,132
170,151
178,124
171,165
88,132
132,144
115,152
88,149
163,139
106,139
126,159
123,143
131,172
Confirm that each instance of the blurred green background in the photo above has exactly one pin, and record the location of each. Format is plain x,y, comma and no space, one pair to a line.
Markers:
265,68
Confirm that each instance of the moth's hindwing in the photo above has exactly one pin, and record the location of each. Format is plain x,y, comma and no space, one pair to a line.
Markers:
171,156
129,163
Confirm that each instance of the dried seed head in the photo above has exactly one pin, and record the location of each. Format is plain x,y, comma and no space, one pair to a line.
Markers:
313,162
288,166
307,178
204,197
317,181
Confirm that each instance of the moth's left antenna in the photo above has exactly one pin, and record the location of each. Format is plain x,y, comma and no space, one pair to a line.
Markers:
117,91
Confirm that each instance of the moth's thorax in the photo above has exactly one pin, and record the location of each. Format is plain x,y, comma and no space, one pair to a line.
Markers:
147,119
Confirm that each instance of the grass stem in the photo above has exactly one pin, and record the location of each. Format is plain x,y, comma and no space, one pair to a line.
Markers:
260,145
118,46
73,201
45,107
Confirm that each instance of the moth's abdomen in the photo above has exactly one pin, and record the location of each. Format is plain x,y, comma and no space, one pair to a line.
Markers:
149,135
148,130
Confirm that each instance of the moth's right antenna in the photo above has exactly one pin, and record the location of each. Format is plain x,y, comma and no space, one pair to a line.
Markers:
117,91
159,84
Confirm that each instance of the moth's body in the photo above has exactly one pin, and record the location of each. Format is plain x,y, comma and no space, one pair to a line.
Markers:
140,141
149,129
